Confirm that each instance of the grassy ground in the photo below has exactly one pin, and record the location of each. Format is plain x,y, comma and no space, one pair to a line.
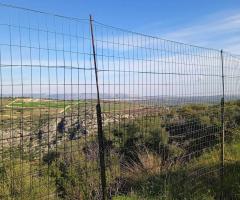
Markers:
73,169
203,187
27,109
40,103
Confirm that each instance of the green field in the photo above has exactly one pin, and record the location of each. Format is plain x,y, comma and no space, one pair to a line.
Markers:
39,104
107,106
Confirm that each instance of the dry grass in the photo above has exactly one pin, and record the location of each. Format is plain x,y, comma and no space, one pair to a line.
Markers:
150,164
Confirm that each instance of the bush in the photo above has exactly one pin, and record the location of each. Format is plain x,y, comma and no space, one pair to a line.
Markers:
157,139
49,157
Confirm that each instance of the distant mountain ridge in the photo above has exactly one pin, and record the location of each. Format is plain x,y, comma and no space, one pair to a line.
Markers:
125,97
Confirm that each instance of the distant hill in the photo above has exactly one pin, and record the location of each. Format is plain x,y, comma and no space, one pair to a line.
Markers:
168,100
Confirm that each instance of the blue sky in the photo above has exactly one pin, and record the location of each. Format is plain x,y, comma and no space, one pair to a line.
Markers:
210,23
62,53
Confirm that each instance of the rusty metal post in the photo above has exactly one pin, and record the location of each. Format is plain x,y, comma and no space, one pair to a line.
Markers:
99,121
223,126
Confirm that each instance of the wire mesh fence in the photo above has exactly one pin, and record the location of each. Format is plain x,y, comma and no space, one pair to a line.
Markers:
48,96
231,123
161,109
165,111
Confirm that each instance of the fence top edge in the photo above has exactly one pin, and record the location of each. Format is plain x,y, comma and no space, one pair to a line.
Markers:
42,12
234,55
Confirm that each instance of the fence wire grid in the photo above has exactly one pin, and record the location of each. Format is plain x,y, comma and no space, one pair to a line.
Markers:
158,126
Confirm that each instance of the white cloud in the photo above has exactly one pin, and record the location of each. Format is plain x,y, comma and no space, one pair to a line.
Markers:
219,31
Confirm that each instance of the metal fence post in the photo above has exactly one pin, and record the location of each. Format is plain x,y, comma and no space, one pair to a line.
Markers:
99,121
223,127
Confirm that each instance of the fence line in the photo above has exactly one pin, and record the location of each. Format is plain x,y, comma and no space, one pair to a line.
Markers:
91,111
223,127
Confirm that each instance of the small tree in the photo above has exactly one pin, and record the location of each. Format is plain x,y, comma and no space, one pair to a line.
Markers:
61,126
